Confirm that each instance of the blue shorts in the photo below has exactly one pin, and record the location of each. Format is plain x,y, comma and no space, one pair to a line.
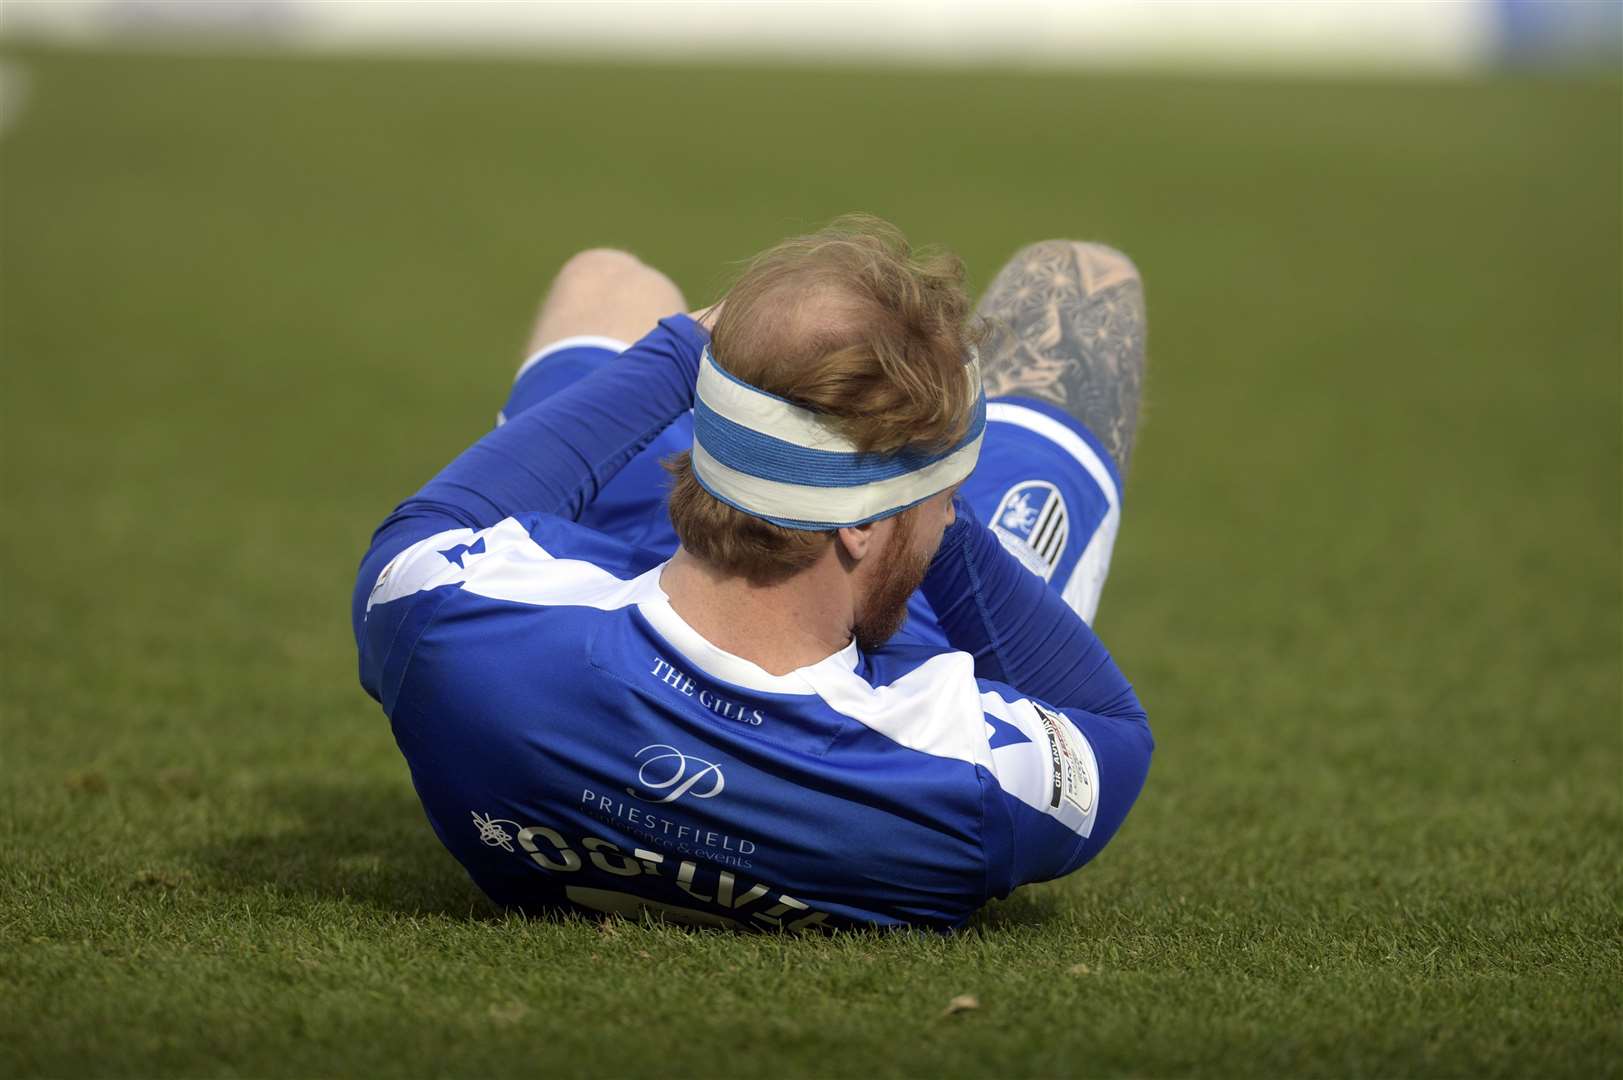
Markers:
1044,484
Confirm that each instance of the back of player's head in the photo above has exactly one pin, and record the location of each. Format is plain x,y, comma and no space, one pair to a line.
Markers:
850,323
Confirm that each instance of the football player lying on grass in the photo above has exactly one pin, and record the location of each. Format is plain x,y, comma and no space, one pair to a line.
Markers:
835,668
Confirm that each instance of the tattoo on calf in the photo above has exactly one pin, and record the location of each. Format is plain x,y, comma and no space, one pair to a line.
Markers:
1066,324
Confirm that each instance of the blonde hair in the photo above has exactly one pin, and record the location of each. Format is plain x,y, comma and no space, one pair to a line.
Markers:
850,322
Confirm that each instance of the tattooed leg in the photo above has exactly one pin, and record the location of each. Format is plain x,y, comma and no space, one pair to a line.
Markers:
1066,324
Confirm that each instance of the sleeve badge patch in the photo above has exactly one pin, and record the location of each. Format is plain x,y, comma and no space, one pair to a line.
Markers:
1032,523
1069,766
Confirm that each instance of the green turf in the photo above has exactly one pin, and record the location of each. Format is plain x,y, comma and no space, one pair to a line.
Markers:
1368,582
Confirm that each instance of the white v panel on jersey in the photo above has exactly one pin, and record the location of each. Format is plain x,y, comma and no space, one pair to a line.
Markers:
1054,770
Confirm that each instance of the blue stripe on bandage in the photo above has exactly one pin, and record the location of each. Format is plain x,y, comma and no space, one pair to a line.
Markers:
801,523
759,454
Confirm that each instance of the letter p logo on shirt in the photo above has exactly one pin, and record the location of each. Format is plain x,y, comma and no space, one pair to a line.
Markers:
676,774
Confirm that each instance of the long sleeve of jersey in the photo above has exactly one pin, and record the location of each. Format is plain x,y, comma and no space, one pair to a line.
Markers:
552,460
1046,676
1018,630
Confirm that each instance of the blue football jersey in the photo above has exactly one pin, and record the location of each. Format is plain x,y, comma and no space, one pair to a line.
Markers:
577,746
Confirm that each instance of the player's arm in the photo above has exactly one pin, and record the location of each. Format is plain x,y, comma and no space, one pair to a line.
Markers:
1083,751
1062,781
552,458
1018,630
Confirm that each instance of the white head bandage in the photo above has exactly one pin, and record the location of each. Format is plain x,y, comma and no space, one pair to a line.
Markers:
789,465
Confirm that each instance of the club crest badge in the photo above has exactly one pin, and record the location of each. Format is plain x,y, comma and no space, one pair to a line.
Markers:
1032,523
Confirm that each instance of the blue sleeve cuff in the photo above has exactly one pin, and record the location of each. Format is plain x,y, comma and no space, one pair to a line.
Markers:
688,332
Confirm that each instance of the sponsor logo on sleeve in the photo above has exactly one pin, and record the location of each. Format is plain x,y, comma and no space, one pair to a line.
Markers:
1068,761
1031,521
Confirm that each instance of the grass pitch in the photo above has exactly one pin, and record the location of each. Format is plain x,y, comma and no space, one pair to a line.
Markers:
1368,582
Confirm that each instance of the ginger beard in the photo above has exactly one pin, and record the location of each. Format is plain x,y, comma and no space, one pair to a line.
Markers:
898,575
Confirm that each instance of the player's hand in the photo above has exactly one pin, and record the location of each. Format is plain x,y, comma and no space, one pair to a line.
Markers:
706,317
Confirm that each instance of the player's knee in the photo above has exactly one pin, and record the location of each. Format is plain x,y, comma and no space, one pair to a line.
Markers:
1098,259
1106,256
601,267
601,273
604,291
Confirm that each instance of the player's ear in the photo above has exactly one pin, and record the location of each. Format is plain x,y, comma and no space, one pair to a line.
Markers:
855,541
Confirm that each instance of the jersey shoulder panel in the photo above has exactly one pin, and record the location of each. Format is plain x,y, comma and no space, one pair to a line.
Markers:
928,703
532,558
930,700
535,560
1035,773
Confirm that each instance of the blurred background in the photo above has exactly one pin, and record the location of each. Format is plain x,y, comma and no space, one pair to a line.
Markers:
1456,36
266,265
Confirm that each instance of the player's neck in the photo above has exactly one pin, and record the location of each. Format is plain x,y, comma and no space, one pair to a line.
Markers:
779,627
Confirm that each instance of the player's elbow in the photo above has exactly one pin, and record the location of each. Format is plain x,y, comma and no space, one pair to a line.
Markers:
1126,708
1128,771
1140,745
1146,742
1135,746
1141,737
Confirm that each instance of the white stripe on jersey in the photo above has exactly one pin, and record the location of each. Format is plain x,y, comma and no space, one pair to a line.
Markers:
934,708
509,566
1088,579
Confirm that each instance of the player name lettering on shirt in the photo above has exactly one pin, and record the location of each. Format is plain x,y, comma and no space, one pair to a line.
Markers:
683,684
